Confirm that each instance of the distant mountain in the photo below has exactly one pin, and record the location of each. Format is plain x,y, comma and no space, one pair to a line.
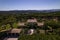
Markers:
29,11
53,10
41,10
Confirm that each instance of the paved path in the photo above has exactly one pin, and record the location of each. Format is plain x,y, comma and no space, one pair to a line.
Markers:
11,39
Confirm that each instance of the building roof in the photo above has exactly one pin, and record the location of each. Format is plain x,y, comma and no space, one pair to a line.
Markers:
15,31
31,20
21,24
40,23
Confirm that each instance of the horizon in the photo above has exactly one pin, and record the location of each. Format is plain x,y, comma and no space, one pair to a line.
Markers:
7,5
30,10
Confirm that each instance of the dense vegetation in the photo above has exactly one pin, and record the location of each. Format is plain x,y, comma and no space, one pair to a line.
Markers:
9,19
39,37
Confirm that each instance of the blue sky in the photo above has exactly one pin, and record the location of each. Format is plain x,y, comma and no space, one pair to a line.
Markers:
29,4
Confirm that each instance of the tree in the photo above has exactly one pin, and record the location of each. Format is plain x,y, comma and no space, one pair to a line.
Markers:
15,25
8,26
31,25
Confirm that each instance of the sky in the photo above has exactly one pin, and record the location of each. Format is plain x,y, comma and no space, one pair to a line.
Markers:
29,4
